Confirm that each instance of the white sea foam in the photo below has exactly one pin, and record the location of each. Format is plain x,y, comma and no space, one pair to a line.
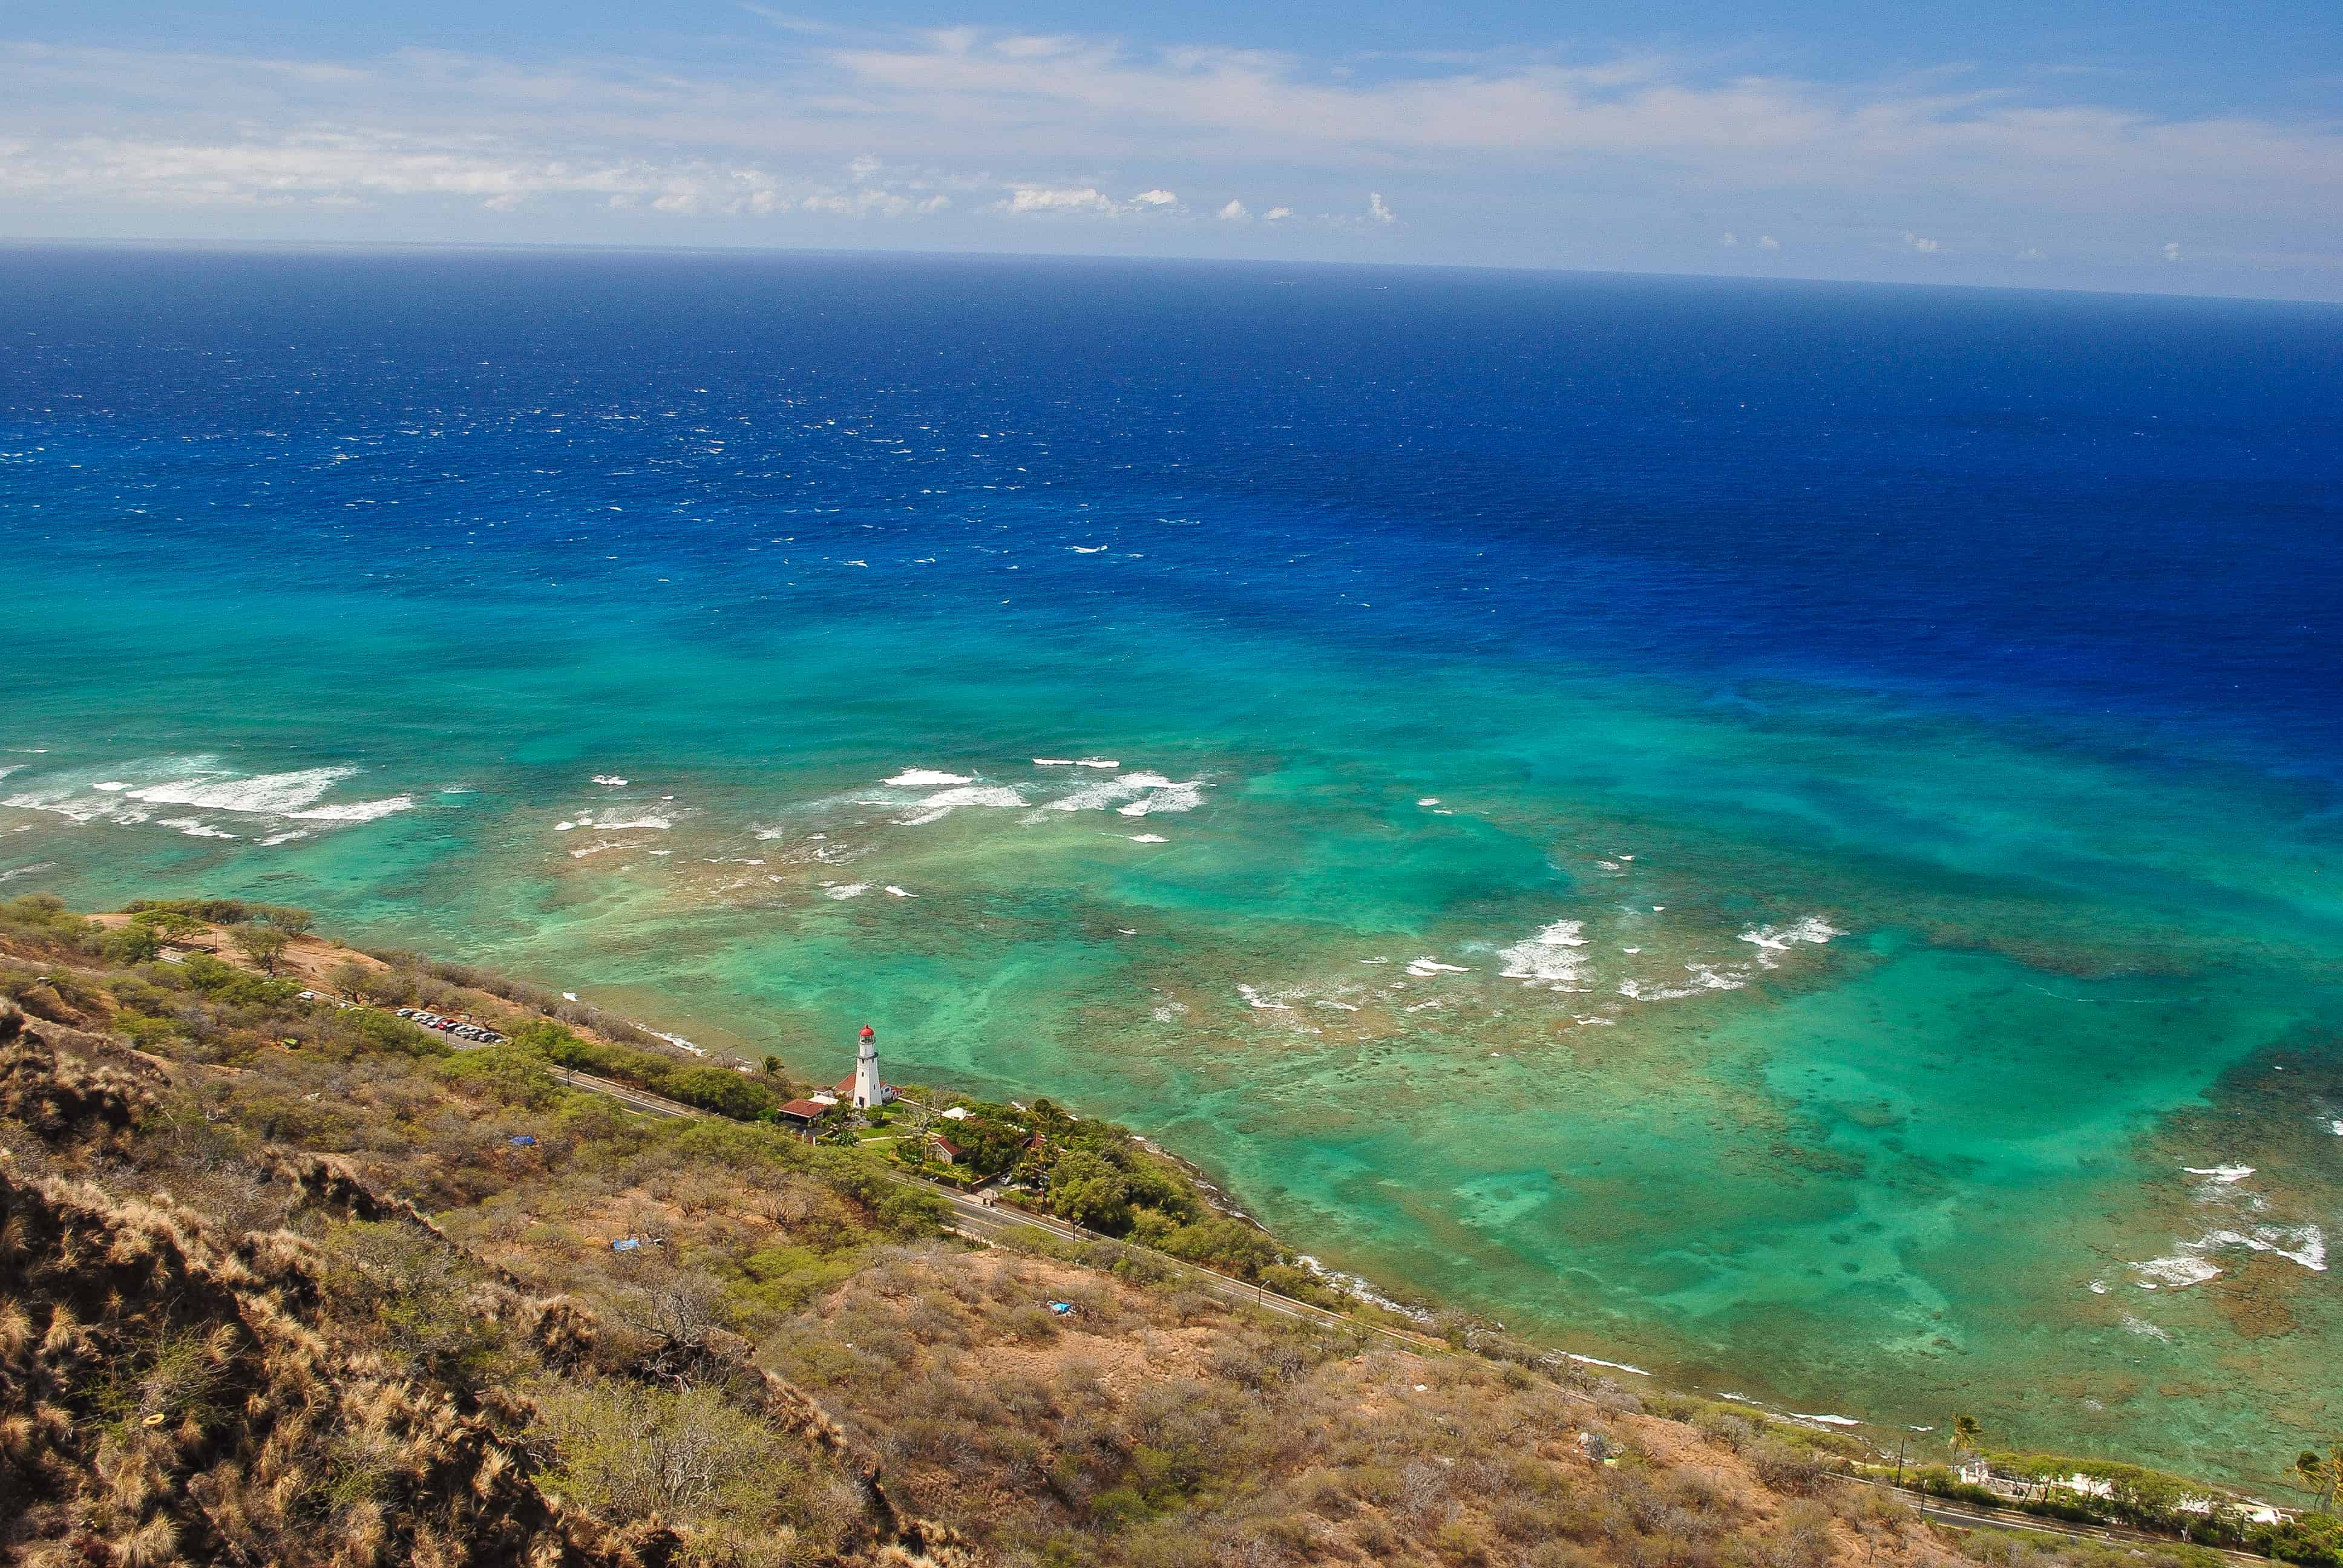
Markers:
1096,762
2221,1173
273,794
371,810
2145,1329
1651,990
603,845
845,889
1337,1006
1254,998
18,766
1549,960
899,892
196,827
285,838
2178,1271
1053,762
1424,968
1429,800
2098,1287
1825,1420
1774,940
566,827
110,786
935,807
1148,839
27,870
2303,1244
612,780
926,778
2338,1126
1713,979
1133,795
657,824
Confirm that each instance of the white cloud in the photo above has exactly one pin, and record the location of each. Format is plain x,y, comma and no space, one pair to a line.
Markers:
2172,250
1234,212
1924,247
1047,199
2031,253
1503,148
1767,242
1730,240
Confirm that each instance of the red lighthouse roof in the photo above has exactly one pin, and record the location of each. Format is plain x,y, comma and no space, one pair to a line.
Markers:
867,1031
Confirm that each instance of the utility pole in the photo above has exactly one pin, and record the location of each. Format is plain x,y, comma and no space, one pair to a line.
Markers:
1899,1461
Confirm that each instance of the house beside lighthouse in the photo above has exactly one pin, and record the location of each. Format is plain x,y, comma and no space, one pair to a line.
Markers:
866,1088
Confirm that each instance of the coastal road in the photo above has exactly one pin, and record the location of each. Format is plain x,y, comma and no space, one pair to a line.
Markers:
1976,1516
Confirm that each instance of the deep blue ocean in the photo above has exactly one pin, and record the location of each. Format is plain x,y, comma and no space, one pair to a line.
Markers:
1853,775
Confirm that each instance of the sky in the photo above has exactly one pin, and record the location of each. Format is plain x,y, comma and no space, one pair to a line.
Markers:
2144,145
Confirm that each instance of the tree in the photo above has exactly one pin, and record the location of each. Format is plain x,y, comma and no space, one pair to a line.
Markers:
353,980
1964,1433
260,943
2310,1473
772,1067
293,923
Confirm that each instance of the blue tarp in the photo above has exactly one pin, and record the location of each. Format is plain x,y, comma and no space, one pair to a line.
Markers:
626,1245
524,1142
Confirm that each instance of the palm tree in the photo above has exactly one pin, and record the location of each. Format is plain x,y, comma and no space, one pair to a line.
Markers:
2334,1471
2311,1473
1964,1433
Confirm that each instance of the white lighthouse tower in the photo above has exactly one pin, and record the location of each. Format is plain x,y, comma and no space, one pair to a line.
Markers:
869,1090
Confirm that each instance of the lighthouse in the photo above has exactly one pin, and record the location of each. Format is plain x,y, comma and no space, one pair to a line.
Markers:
868,1090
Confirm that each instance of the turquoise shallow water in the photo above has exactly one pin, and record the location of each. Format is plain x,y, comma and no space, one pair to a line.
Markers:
1726,945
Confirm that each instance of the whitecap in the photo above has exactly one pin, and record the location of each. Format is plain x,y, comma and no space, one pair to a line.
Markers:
1825,1420
1548,961
2221,1173
1148,839
1770,940
899,892
270,793
935,807
1053,762
275,839
109,786
612,780
1638,990
1374,961
2145,1329
2178,1271
1096,762
600,845
1424,968
1429,800
1337,1006
568,826
196,827
1254,998
1133,795
2098,1287
27,870
1713,979
657,824
371,810
845,889
926,778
